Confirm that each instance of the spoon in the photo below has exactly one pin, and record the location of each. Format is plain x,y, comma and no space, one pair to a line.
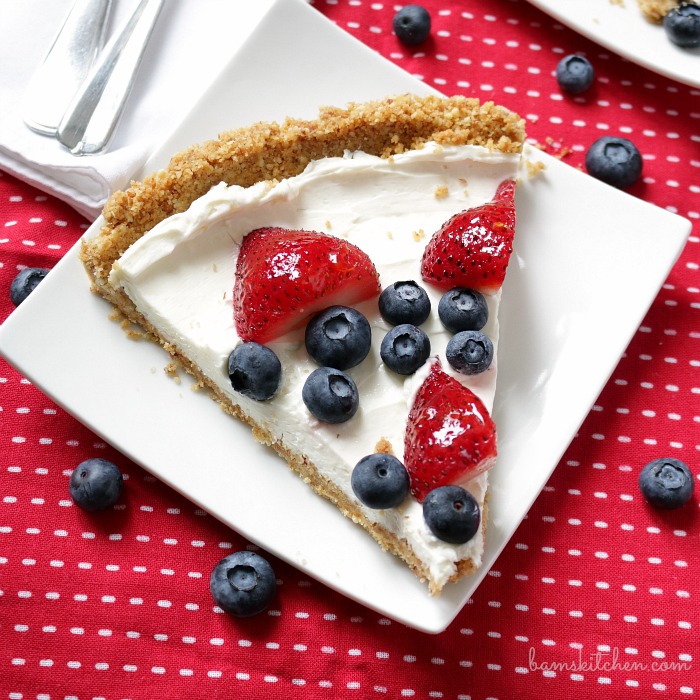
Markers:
66,65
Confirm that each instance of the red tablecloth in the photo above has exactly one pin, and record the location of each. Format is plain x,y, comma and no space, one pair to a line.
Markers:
596,595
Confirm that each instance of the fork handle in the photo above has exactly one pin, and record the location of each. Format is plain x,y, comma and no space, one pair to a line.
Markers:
92,116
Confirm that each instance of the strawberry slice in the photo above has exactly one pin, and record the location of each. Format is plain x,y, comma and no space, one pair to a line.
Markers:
284,276
450,436
473,248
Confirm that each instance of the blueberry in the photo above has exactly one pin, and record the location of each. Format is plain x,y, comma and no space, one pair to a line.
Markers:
96,484
405,348
25,283
666,483
331,395
614,160
470,352
243,584
574,74
463,309
404,302
338,337
452,514
380,481
255,371
412,25
682,25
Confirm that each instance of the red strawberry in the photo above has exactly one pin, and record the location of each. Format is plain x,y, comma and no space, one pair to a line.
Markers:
450,436
284,276
473,248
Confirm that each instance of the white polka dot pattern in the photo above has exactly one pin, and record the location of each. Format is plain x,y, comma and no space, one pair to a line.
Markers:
595,596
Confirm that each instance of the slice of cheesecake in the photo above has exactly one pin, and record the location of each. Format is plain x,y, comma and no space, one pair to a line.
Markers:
245,240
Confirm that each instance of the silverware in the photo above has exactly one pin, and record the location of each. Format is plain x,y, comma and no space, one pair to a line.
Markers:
67,63
90,119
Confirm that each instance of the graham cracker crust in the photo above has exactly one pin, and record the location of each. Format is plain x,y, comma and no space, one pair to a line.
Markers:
655,10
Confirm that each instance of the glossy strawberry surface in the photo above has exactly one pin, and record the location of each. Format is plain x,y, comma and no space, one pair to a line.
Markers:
284,276
450,436
472,249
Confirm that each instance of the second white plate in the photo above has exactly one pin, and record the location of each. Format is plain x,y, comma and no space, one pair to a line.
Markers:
622,28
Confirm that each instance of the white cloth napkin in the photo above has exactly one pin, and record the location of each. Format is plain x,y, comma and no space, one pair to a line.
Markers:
190,43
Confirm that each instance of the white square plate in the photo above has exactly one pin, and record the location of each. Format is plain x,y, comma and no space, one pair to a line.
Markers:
622,28
589,261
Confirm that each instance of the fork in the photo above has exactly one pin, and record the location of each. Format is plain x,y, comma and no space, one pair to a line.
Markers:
90,119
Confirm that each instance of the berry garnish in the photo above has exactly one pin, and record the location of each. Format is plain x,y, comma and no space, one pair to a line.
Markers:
96,484
450,436
470,352
666,483
330,395
404,302
574,74
473,248
25,283
405,348
243,584
452,514
338,337
682,25
283,277
380,481
614,160
463,310
255,371
412,25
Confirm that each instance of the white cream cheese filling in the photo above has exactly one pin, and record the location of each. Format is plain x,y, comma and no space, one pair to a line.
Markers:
180,275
